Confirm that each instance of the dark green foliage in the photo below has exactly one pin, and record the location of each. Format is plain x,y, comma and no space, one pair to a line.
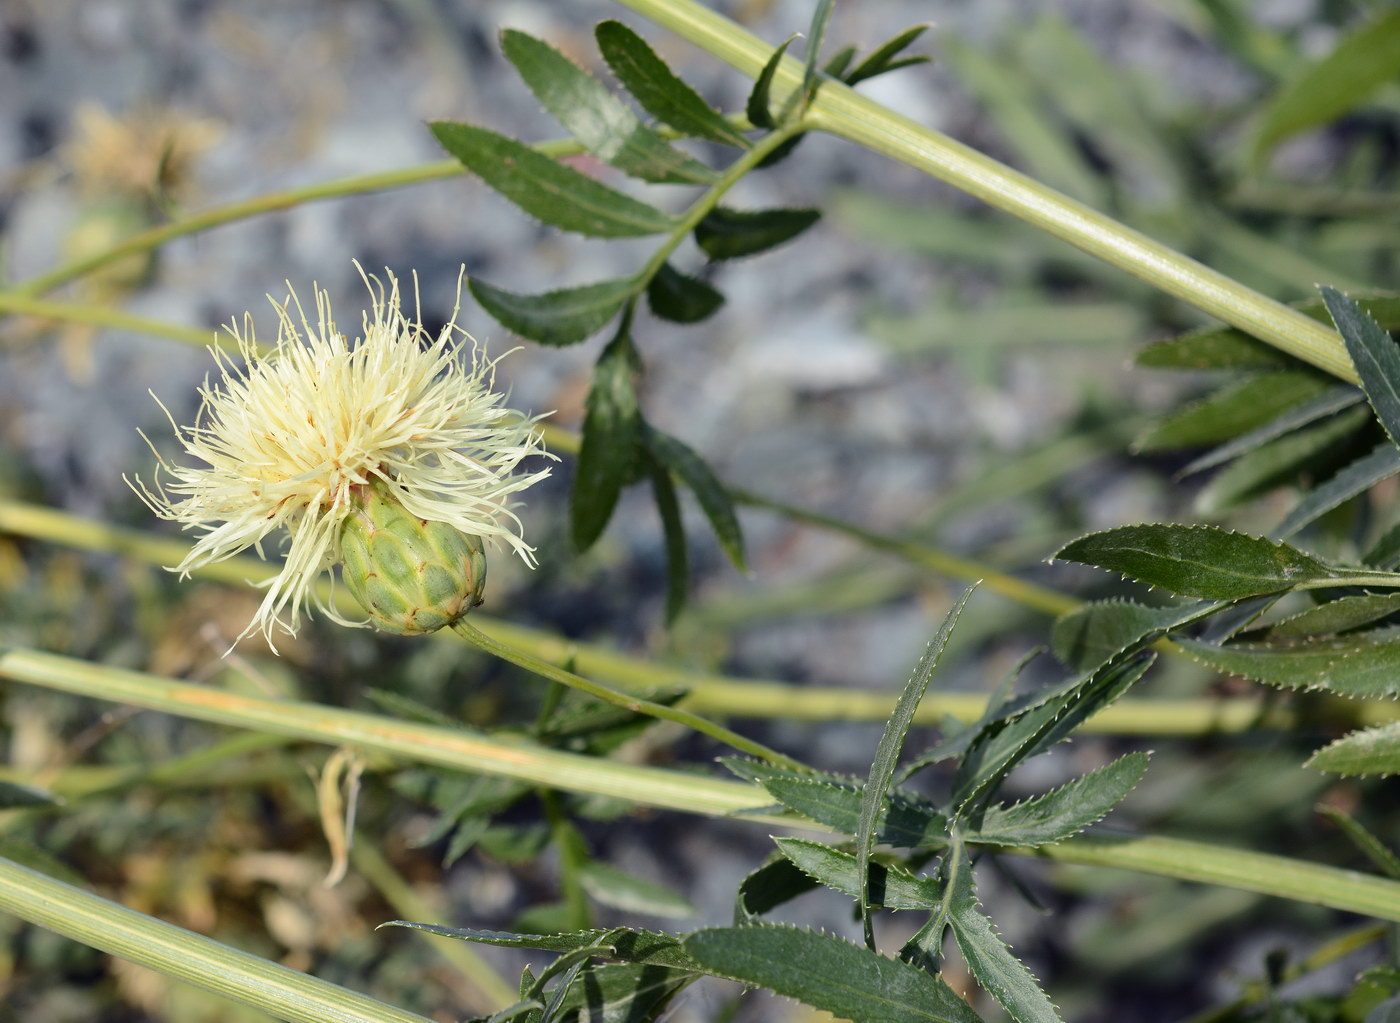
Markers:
562,317
758,108
1236,408
673,534
883,58
888,886
1370,751
1341,615
673,296
714,499
1355,666
611,436
546,189
1065,811
1090,635
1325,404
1373,352
732,234
1356,478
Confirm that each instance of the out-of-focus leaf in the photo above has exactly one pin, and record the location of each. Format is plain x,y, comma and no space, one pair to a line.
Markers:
891,887
1091,634
1065,811
658,89
653,947
1003,976
620,890
15,797
1326,404
1239,406
673,533
714,500
1364,60
1337,616
758,108
611,438
816,35
1371,751
546,189
839,61
1376,851
562,317
1201,561
882,59
681,299
1356,478
621,993
602,123
731,234
825,972
1355,667
29,855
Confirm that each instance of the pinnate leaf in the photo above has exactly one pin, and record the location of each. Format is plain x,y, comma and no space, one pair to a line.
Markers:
681,299
1356,667
658,89
604,124
1370,751
563,317
825,972
611,438
731,234
546,189
1065,811
1200,561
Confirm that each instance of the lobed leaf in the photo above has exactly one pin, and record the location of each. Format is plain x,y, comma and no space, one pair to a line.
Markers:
562,317
890,887
731,234
1358,667
601,122
610,443
826,972
658,89
681,299
547,189
714,499
1369,751
1337,616
1236,408
1065,811
1200,561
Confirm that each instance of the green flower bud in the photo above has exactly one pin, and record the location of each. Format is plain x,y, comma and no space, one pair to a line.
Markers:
412,576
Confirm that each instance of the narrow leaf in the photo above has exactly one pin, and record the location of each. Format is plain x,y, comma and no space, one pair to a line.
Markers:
658,89
1372,350
816,35
604,124
1363,61
1240,406
1199,561
839,61
881,58
1351,481
674,296
758,106
1065,811
891,887
1348,667
891,743
1003,976
16,797
1376,851
1094,633
714,499
621,993
546,189
562,317
908,823
825,972
611,438
620,890
731,234
1337,616
1367,752
654,947
769,887
673,533
1325,404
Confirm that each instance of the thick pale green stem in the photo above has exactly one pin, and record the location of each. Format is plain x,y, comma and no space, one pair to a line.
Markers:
674,790
841,111
102,316
184,955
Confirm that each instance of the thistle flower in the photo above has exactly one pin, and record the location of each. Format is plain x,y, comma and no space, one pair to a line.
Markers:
303,438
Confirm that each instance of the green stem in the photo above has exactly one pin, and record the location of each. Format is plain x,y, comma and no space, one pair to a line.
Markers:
102,316
572,857
842,111
1347,890
184,955
636,704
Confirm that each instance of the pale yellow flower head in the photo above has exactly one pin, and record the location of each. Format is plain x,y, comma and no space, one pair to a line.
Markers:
284,437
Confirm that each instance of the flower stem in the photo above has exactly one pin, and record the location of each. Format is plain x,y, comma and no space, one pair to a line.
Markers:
184,955
842,111
636,704
102,316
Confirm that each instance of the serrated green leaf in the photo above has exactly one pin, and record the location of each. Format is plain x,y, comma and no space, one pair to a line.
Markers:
622,993
658,89
892,743
602,123
825,972
609,446
757,108
673,534
1367,752
908,823
1065,811
1238,407
1372,350
732,234
714,499
999,972
562,317
681,299
1365,59
1337,616
546,189
653,947
1355,667
1200,561
881,59
15,797
1280,461
1326,404
768,887
1350,481
891,887
615,888
1093,633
